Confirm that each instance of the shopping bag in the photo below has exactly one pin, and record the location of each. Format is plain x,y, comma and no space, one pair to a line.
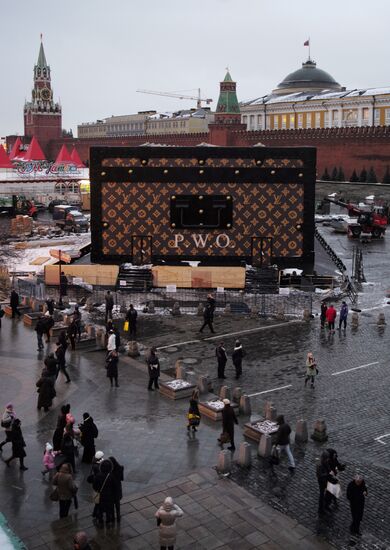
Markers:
334,489
126,326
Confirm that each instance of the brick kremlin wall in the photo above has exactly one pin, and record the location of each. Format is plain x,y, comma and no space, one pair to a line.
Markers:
349,148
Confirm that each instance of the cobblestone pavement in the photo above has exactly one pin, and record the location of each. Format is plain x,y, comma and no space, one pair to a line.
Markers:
217,514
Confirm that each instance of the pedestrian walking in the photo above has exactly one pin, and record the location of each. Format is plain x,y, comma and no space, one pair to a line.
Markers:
357,494
193,412
63,287
77,318
2,313
335,467
72,332
237,356
324,474
208,314
14,303
343,315
331,315
48,325
46,391
153,369
117,473
324,308
131,318
60,354
221,355
117,339
18,445
48,460
88,434
40,330
59,431
112,367
109,300
51,365
228,420
50,306
311,369
80,541
282,440
166,520
97,460
68,449
66,489
111,344
104,485
7,420
63,340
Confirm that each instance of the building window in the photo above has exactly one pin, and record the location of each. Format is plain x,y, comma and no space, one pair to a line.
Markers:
377,117
259,122
252,122
365,115
292,121
268,122
300,120
335,118
308,120
284,121
245,119
276,122
387,117
318,120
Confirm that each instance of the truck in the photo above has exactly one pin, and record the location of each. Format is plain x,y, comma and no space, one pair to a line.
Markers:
371,219
69,219
17,204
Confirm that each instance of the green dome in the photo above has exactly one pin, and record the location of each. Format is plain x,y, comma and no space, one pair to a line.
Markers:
307,79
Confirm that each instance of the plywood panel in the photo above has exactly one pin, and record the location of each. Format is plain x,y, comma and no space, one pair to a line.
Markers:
199,277
95,274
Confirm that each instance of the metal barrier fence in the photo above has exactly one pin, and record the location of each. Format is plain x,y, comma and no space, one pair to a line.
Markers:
293,304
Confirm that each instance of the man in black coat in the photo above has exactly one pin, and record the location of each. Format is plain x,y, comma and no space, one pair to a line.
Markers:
221,355
40,328
153,369
356,494
109,300
14,303
50,306
48,325
131,317
323,476
60,354
89,433
228,420
63,286
282,439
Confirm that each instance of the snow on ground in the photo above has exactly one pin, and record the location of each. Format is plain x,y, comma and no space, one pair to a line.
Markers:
8,541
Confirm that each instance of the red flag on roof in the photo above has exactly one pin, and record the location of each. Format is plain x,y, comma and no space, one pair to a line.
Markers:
15,151
76,158
4,160
307,43
34,151
64,156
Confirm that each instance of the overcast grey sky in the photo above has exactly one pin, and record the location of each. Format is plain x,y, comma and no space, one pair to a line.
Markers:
101,51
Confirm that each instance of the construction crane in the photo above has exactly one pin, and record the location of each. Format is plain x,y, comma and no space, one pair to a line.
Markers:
198,98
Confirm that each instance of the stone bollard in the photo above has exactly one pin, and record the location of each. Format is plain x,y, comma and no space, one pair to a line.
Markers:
265,446
224,465
133,350
180,370
381,319
151,308
280,313
200,310
255,310
355,319
319,434
245,405
91,331
237,392
203,384
176,309
225,393
306,315
271,414
244,455
267,405
301,433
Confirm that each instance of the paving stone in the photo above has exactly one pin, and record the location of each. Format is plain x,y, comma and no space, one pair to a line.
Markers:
244,528
256,538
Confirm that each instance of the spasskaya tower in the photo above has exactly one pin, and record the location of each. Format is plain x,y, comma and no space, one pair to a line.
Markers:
42,116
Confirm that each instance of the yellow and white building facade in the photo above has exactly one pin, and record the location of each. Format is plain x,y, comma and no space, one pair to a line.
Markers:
311,98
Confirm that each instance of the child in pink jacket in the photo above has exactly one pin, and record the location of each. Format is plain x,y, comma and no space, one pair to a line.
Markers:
48,459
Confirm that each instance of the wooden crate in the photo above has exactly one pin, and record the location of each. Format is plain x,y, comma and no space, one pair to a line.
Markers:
213,414
172,393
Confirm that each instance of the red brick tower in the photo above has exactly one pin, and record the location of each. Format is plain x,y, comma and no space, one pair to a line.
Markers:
42,117
227,116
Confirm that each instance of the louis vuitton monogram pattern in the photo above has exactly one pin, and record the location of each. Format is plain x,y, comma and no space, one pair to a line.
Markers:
259,210
161,162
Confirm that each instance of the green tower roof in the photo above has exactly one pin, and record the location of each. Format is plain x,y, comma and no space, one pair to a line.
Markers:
41,63
227,101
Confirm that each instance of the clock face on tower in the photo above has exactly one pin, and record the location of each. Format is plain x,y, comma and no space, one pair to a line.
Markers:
45,94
